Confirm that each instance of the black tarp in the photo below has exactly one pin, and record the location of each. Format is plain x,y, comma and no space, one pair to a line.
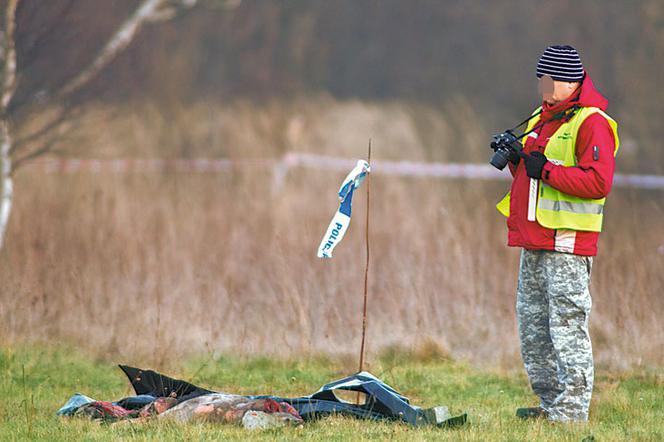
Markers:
156,384
381,402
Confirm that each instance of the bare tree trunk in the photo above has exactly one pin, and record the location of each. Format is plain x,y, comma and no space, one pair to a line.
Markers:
7,193
8,85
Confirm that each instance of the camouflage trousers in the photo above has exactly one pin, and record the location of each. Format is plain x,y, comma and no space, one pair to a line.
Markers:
553,305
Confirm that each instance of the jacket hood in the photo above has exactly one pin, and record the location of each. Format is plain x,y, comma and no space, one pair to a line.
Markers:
591,97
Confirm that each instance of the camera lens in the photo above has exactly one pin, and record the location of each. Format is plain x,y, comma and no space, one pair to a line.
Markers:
499,159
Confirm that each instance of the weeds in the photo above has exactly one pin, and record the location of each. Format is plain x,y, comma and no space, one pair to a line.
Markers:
151,265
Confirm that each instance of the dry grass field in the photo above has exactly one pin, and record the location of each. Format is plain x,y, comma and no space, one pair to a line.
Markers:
212,276
164,263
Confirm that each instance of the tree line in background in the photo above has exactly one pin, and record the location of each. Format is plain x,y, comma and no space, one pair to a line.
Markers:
423,50
142,243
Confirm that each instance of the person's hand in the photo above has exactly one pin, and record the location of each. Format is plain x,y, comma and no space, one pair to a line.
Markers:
534,164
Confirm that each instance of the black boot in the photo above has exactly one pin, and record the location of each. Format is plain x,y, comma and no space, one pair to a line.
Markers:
530,413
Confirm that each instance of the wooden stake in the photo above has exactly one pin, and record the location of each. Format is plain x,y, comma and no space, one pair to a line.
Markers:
366,268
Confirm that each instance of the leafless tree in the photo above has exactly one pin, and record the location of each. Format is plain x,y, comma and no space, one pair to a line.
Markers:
14,153
8,85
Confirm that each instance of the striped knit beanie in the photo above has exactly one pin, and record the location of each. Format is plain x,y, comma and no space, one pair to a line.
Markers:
562,63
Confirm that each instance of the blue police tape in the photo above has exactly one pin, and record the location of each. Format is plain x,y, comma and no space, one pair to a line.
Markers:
341,220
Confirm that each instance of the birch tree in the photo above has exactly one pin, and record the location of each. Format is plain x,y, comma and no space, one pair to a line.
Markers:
14,153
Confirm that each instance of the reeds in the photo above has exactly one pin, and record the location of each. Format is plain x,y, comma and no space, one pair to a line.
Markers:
165,264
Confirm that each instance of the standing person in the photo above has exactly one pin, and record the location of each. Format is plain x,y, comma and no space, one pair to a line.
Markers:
569,155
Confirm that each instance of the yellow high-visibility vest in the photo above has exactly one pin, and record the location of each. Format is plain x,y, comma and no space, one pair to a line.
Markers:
555,209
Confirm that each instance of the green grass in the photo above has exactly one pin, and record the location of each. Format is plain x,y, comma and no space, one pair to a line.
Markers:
35,382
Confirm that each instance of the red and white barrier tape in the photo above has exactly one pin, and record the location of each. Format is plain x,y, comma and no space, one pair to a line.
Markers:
309,161
71,165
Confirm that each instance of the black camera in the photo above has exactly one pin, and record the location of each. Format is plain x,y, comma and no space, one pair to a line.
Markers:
506,147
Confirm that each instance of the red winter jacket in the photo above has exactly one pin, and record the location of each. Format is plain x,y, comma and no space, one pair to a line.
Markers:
590,178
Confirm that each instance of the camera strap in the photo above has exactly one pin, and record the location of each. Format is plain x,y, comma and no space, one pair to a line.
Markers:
565,115
526,120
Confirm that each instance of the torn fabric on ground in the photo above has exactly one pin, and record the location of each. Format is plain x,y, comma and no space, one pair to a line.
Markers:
167,398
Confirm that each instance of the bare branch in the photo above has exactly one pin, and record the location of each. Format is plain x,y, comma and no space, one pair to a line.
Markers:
164,14
37,153
221,4
9,53
62,116
46,147
149,10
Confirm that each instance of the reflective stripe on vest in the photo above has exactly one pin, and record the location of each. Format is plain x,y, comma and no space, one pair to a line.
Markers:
567,206
555,209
